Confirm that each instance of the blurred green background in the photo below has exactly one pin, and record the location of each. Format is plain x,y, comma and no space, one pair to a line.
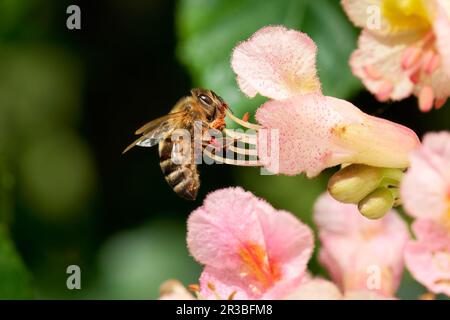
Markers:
70,101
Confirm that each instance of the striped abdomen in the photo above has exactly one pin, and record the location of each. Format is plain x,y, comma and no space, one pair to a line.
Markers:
183,178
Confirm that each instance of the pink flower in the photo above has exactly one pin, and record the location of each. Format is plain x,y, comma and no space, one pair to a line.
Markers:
425,189
315,131
359,253
318,132
425,192
428,257
277,63
403,49
249,249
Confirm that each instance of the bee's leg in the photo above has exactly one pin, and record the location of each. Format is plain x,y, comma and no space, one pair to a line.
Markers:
229,143
213,137
246,156
220,143
232,161
246,149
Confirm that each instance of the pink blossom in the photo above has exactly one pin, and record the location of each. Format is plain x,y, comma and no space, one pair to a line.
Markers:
428,257
425,192
277,63
315,131
425,189
318,132
404,51
249,249
359,253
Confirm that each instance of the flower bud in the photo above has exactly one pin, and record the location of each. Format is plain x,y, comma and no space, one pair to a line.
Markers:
376,204
354,182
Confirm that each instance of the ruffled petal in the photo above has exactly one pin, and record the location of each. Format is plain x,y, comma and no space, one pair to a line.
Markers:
277,63
216,284
425,186
214,235
378,63
407,53
438,82
442,30
438,143
358,10
428,258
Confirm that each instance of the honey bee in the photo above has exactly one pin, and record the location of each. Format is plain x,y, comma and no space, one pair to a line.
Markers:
202,108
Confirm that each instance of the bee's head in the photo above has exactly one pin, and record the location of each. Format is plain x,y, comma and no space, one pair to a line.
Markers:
209,100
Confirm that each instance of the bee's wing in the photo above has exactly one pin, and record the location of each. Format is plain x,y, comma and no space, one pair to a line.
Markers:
149,126
156,130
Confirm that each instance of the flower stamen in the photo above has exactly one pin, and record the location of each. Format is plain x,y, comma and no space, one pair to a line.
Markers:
385,90
372,72
232,295
257,264
235,162
426,99
194,287
243,137
243,123
411,56
415,76
243,151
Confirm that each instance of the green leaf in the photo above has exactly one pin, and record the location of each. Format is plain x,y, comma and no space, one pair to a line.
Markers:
208,30
15,281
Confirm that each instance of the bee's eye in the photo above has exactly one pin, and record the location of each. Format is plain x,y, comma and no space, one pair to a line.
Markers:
207,100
